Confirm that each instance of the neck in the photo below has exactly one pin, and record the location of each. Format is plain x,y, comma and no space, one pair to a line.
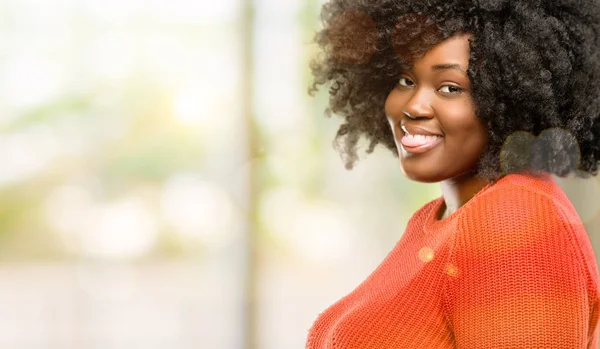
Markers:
458,190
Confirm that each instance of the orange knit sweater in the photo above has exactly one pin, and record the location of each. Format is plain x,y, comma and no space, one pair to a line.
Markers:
511,268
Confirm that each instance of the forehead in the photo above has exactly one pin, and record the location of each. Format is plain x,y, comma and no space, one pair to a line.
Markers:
454,50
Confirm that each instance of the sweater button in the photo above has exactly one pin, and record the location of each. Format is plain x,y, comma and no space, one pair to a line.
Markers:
451,269
426,254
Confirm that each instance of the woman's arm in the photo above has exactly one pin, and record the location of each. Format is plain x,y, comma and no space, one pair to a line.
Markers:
519,279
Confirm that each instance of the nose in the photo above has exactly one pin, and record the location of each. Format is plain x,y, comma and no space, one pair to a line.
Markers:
418,106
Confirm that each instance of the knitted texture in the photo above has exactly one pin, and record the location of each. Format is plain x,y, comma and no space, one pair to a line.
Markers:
511,268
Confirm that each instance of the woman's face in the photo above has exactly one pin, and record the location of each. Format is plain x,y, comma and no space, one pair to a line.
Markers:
435,92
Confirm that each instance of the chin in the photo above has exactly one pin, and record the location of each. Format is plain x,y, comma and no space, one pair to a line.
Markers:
421,176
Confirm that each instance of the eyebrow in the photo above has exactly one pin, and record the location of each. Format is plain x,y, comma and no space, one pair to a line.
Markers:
446,66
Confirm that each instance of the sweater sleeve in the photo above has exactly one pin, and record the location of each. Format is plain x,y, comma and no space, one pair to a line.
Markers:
516,278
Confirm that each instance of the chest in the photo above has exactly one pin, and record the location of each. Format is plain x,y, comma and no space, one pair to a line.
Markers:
400,305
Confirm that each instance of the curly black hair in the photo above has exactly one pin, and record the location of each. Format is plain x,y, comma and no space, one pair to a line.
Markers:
534,67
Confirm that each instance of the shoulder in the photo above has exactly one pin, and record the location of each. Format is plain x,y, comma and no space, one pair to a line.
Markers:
521,201
520,215
516,263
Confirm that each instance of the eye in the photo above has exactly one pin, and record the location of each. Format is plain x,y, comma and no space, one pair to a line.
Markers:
404,79
452,89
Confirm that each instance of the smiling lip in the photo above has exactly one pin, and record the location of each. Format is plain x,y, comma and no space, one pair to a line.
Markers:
418,130
422,148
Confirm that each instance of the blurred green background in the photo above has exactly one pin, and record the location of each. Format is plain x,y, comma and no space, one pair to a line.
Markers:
166,181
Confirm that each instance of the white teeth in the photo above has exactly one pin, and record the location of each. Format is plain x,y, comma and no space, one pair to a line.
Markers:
423,138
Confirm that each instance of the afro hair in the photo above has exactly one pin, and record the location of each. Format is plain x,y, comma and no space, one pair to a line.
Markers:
534,67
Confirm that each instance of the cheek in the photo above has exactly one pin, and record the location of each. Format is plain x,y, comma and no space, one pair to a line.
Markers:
461,121
466,133
468,138
394,103
476,131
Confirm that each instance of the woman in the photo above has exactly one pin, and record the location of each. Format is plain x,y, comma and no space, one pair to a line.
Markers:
489,98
